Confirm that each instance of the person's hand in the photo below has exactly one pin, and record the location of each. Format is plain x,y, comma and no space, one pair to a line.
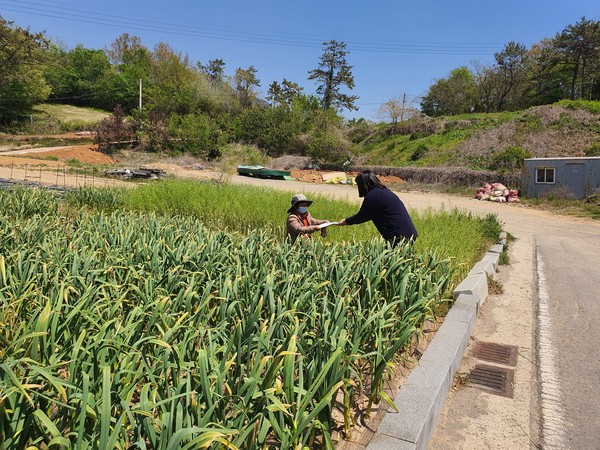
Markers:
315,228
342,222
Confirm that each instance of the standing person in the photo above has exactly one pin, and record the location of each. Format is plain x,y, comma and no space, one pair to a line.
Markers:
384,208
299,220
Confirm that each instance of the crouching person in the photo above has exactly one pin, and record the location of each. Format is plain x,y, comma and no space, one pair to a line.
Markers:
299,220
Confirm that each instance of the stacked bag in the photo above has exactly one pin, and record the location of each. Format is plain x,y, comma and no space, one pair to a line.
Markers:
497,192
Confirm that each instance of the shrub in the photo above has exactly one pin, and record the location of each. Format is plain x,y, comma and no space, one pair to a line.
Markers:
276,130
419,152
588,105
114,132
154,135
510,158
327,146
594,150
417,135
196,134
360,130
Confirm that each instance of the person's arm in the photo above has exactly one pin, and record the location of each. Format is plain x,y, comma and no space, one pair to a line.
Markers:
314,221
296,225
363,215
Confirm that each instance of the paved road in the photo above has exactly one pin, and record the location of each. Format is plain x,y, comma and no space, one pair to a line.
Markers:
569,267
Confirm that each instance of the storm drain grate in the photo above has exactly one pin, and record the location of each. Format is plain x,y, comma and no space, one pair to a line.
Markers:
496,380
497,353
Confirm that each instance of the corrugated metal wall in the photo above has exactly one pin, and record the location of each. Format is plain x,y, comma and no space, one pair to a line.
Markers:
570,177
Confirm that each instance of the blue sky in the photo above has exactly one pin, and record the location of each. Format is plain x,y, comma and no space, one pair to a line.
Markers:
395,47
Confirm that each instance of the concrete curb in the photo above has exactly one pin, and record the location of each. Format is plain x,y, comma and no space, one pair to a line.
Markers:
421,399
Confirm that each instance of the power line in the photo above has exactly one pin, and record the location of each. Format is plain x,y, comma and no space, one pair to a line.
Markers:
183,28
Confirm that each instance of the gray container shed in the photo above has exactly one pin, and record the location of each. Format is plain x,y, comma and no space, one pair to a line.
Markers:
578,177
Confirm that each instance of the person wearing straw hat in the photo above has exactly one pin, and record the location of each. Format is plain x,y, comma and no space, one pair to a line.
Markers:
299,220
384,208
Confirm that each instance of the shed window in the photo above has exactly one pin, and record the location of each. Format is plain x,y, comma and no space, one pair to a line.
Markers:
544,175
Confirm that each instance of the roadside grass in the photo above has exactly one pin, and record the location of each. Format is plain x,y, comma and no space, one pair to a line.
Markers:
588,208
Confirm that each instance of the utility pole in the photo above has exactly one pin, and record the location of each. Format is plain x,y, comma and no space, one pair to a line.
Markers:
403,105
140,95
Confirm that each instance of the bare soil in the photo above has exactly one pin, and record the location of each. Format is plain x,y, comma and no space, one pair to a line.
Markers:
85,154
316,176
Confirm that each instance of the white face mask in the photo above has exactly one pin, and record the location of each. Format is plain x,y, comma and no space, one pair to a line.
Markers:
302,209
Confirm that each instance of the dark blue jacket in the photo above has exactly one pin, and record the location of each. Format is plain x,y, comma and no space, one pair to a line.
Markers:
388,213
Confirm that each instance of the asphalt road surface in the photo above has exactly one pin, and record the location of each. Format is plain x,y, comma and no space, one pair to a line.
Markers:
569,265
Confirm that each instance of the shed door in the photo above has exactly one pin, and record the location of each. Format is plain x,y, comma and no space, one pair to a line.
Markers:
575,178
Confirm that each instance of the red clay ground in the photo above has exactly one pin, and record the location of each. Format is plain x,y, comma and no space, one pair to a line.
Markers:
85,154
316,176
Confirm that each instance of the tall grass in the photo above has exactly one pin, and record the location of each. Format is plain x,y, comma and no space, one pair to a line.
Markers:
451,234
138,330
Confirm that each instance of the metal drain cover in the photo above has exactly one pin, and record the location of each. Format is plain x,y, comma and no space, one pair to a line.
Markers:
496,380
497,353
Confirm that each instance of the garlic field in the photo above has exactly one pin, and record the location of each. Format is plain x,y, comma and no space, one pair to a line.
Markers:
134,330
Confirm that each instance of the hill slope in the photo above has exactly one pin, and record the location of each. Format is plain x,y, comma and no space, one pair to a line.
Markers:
488,141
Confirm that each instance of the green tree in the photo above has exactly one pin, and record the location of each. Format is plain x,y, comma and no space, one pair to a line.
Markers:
283,94
196,134
333,73
22,61
326,140
455,95
215,70
245,82
124,48
510,70
500,87
79,79
485,82
171,84
545,78
131,62
578,50
274,130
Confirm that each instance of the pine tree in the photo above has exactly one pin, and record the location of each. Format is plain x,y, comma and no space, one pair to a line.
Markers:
333,73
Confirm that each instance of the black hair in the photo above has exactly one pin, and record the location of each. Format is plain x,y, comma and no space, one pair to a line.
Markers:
366,181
